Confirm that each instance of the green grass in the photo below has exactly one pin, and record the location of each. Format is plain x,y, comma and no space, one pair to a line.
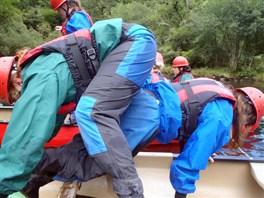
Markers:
223,72
211,72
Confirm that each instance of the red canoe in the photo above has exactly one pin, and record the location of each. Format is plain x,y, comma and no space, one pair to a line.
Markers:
67,132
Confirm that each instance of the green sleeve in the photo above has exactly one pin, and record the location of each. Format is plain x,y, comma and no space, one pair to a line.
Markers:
186,77
107,34
47,84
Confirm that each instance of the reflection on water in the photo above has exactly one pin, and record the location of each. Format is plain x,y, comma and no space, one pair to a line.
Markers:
244,83
253,148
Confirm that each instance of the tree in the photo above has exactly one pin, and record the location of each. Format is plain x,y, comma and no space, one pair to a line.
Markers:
224,32
7,10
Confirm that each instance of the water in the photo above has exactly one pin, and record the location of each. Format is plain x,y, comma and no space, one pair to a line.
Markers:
253,148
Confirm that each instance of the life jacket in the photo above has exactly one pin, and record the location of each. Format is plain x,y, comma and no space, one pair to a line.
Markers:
80,51
155,77
64,31
194,95
177,78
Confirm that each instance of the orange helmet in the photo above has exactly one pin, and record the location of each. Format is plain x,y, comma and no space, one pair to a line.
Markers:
55,4
257,98
6,64
159,62
180,61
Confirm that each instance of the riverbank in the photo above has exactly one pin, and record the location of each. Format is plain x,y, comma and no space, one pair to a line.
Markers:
224,75
221,74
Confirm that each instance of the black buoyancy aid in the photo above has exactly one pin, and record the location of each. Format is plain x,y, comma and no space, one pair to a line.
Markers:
194,95
80,51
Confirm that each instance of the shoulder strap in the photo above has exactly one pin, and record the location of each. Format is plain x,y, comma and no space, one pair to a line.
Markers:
79,60
193,111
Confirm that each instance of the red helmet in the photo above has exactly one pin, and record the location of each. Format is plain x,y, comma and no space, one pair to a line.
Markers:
159,60
55,4
257,98
6,64
180,61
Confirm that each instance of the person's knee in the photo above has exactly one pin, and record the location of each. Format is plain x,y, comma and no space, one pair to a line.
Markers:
84,108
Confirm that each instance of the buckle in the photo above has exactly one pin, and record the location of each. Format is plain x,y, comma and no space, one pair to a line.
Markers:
91,53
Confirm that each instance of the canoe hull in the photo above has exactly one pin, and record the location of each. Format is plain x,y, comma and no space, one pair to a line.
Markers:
222,179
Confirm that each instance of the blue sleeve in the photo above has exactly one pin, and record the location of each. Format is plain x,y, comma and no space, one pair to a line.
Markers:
170,118
78,21
212,133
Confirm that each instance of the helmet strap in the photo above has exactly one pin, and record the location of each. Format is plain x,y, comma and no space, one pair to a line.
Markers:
66,10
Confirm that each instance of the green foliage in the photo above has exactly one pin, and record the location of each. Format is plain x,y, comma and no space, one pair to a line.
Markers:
134,13
226,36
253,69
15,35
50,17
222,72
7,10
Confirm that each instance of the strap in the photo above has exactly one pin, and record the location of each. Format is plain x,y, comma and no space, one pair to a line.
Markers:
79,60
92,55
193,111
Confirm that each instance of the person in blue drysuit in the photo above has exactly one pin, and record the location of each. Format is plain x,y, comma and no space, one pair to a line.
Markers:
210,111
76,17
201,112
126,54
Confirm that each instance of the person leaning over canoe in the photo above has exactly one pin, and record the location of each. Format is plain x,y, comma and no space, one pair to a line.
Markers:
59,72
201,112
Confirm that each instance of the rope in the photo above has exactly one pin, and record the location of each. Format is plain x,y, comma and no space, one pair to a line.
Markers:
240,149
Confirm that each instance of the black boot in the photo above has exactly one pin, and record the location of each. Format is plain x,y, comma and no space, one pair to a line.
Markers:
31,190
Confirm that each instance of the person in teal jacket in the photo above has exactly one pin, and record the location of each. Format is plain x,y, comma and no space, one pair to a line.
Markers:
181,69
126,53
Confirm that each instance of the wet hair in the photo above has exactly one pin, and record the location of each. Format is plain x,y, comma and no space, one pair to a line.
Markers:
13,93
20,54
243,119
183,69
186,69
75,5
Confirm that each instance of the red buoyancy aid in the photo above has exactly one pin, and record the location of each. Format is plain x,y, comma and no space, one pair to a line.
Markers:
155,77
194,95
64,31
80,52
